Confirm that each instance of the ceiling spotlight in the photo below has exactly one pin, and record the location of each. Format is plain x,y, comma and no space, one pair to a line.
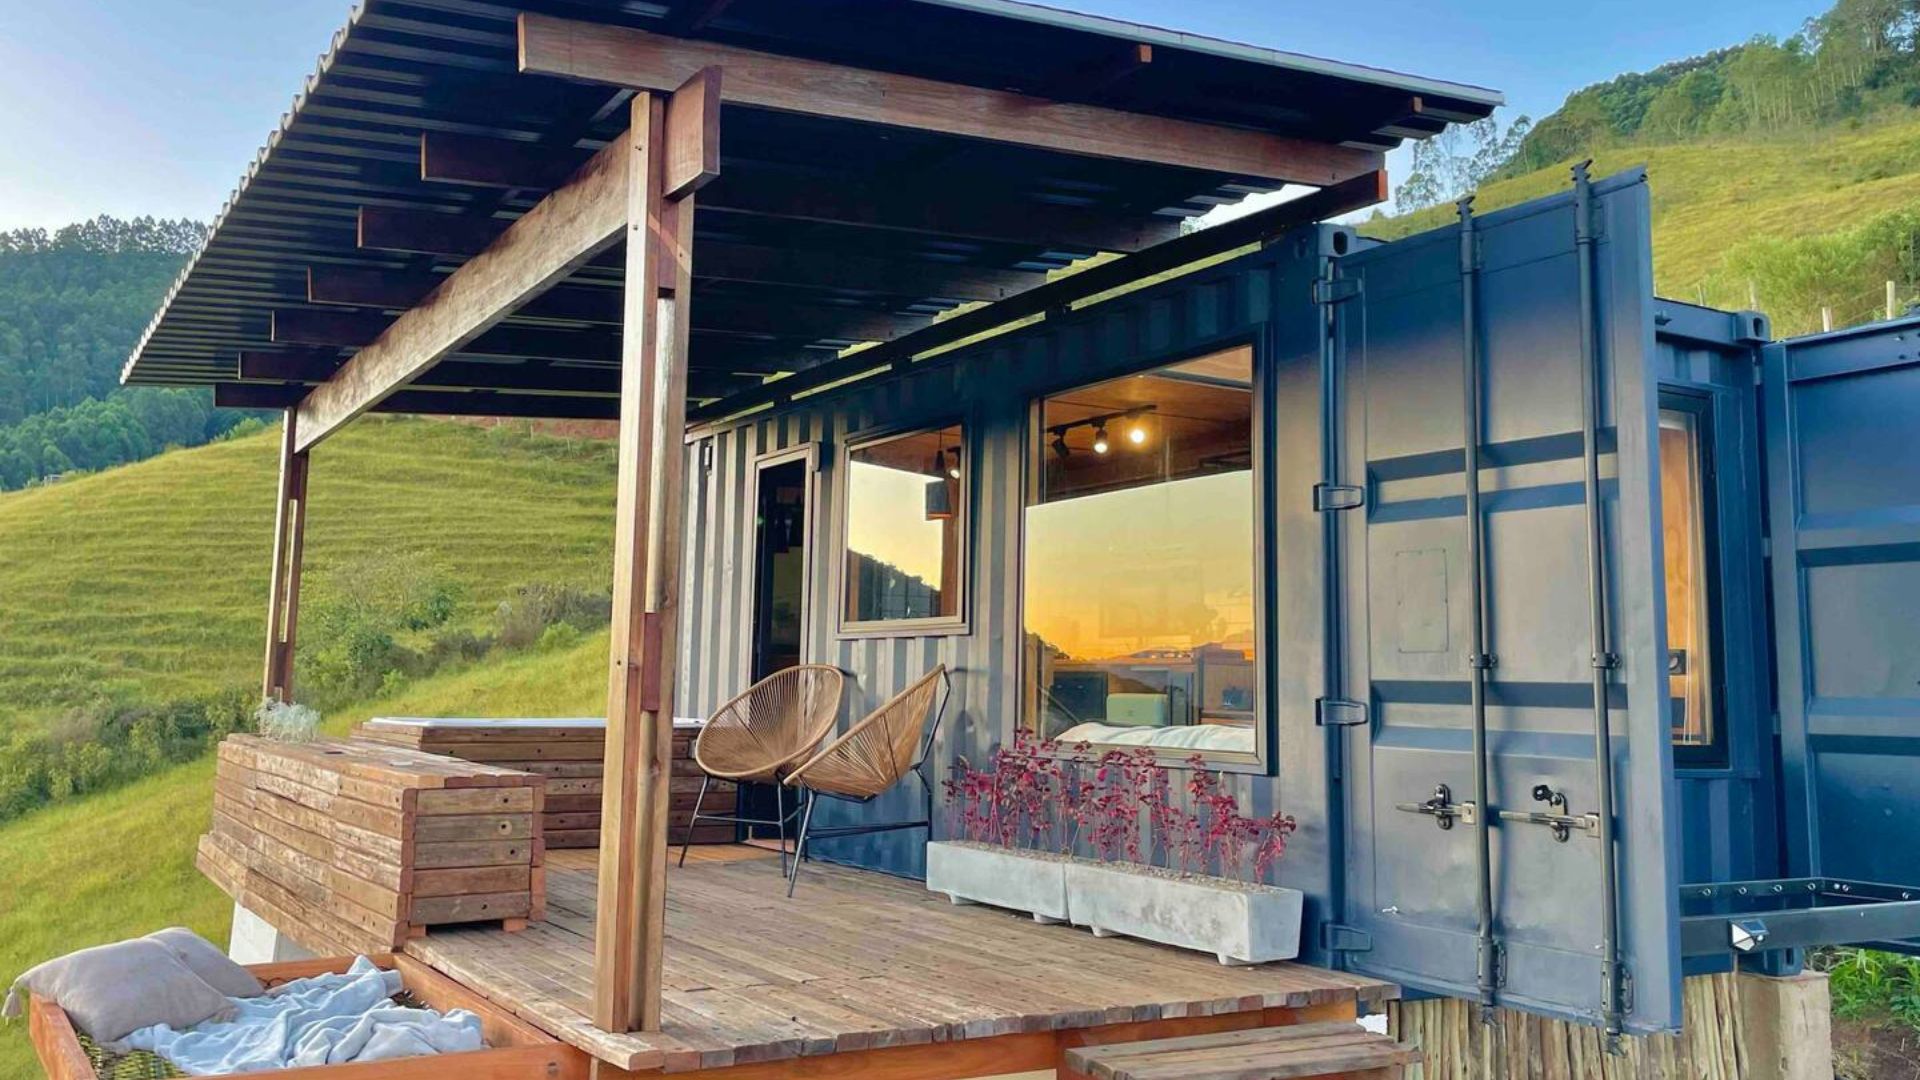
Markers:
1100,439
953,470
1137,434
1060,445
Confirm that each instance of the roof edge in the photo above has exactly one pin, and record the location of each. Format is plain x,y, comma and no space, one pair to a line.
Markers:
1221,47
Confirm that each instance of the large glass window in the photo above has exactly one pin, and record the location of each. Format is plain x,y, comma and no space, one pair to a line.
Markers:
1139,556
1685,509
905,519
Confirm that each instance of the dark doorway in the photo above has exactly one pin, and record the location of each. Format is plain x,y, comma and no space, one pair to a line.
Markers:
780,565
779,595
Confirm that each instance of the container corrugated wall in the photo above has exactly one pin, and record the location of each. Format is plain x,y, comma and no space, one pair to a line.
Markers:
989,387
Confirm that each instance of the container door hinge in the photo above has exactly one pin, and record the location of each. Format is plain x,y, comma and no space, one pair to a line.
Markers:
1339,712
1499,965
1338,497
1335,290
1339,937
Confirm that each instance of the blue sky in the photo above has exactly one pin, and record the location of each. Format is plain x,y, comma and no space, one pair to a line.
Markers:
155,106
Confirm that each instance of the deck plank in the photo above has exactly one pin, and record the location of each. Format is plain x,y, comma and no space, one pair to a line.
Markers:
855,961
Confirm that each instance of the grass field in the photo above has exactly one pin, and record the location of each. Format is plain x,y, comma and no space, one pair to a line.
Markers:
151,579
1710,195
119,864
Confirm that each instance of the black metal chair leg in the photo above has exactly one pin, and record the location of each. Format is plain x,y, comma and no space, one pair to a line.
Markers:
800,852
780,815
687,841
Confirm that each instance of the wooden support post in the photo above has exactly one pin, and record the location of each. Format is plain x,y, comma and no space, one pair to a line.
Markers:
631,929
283,589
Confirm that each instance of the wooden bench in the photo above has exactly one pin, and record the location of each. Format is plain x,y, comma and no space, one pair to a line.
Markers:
1269,1053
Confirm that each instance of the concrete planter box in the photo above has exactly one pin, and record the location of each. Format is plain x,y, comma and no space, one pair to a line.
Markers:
1238,923
979,874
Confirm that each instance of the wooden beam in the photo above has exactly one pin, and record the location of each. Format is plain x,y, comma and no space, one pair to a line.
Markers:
539,343
448,157
283,584
466,375
990,220
308,326
425,232
399,290
359,287
1195,247
432,402
650,498
623,56
728,261
692,153
995,220
803,322
259,366
569,226
354,329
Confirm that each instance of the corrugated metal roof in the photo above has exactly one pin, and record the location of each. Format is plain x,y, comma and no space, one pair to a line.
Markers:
400,68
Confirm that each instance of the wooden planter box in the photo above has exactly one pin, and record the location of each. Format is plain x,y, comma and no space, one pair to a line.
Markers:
348,846
570,753
515,1050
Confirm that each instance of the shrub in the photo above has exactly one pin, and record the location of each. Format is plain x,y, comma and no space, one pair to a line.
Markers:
109,743
559,636
523,620
349,628
287,722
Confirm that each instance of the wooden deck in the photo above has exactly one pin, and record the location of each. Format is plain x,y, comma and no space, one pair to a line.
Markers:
858,962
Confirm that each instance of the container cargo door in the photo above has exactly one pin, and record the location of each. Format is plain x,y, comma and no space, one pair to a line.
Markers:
1843,466
1405,607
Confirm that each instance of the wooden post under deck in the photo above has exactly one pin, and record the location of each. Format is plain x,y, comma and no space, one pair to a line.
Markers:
283,590
672,141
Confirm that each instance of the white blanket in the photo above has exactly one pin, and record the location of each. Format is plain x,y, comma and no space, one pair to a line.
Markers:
1224,737
322,1020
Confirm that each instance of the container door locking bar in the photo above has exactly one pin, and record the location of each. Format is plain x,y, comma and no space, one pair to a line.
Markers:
1556,816
1443,809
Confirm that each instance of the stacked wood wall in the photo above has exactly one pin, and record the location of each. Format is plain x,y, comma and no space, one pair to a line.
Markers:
352,847
571,758
1456,1045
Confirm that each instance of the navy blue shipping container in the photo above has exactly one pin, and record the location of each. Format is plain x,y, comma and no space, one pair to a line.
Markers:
1585,628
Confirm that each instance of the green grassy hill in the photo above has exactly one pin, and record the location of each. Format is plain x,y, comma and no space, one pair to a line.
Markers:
121,863
1713,196
150,580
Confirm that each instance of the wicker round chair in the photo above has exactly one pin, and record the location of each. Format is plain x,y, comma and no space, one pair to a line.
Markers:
761,735
873,756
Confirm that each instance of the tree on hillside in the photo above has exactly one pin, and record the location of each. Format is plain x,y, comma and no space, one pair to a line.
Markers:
1456,161
72,304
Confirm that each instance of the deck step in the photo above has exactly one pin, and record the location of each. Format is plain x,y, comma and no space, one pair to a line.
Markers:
1271,1053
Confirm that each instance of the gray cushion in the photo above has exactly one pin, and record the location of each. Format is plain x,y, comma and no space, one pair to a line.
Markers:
110,990
205,959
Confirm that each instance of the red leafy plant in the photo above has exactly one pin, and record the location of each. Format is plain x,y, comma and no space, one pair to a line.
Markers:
1121,806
